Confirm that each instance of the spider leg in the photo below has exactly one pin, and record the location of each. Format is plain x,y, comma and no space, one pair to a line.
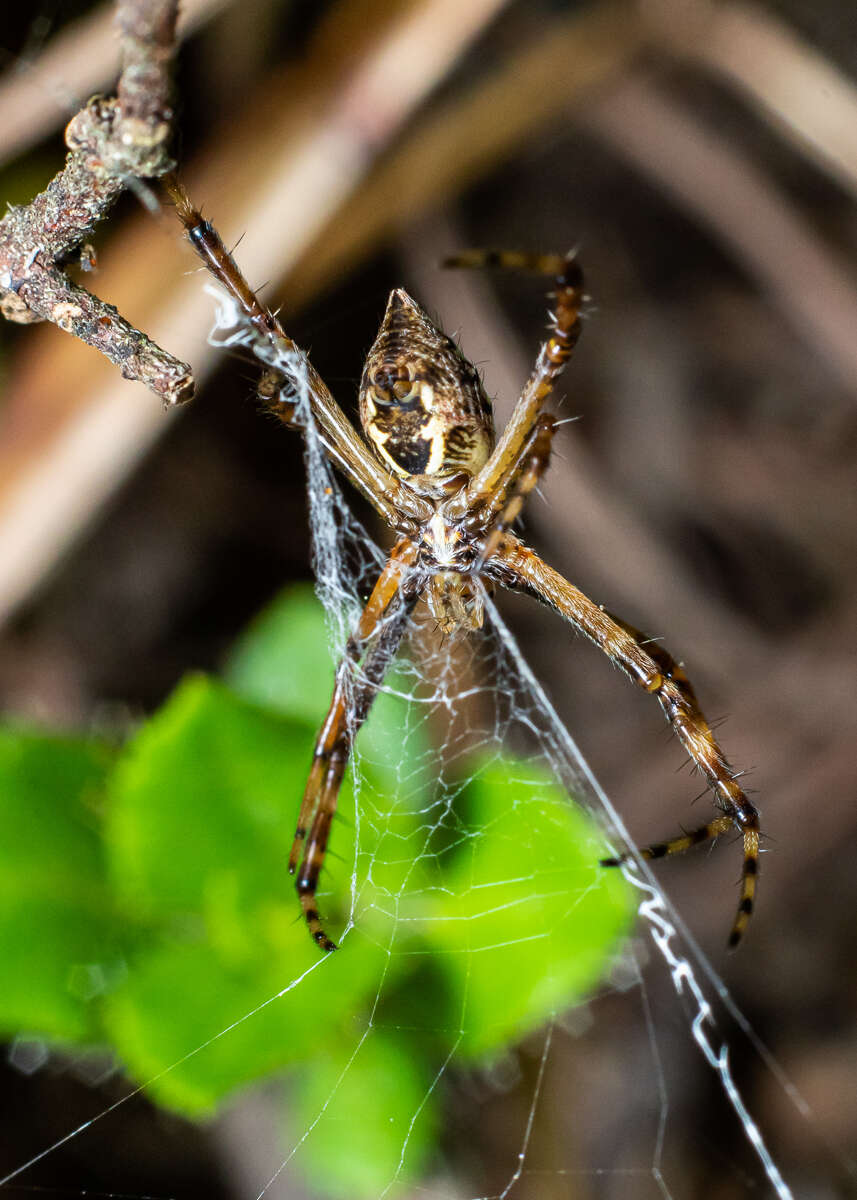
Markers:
522,476
399,506
550,362
358,678
649,666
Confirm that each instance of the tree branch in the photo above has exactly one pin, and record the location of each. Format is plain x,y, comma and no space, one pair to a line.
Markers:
112,142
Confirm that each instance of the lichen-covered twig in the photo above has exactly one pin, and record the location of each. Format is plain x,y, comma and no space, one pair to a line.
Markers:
112,143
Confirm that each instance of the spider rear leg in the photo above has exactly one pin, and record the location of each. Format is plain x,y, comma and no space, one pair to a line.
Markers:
653,669
325,796
682,710
357,684
749,826
678,844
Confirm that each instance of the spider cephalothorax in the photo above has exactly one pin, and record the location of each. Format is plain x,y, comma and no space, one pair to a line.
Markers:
422,404
435,475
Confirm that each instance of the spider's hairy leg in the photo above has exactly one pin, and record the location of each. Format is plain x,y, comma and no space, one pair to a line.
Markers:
358,678
208,244
673,673
397,504
505,506
649,666
568,297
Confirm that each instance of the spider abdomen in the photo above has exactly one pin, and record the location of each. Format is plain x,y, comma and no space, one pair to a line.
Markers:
422,405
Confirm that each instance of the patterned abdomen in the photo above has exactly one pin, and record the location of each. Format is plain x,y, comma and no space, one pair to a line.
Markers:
422,405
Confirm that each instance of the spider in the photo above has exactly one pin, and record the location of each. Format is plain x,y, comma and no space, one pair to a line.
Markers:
433,469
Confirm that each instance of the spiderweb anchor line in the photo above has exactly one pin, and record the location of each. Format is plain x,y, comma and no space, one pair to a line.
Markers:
332,525
653,909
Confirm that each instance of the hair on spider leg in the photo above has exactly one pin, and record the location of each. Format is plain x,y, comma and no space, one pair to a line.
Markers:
300,918
333,854
719,722
653,639
235,246
340,817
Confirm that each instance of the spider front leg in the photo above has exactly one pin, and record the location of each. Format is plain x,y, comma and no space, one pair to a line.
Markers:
654,670
282,386
359,676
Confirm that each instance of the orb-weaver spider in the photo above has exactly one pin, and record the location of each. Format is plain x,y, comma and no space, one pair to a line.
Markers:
434,473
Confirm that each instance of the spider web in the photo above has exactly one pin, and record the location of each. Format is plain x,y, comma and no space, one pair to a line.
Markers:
588,1097
479,698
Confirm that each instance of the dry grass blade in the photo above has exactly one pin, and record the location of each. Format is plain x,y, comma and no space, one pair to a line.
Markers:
800,90
745,211
462,138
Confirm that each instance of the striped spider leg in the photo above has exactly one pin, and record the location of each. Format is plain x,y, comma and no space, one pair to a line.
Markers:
653,669
370,651
397,504
487,490
429,465
521,457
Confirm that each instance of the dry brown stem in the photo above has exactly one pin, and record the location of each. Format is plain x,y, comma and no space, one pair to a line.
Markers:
37,95
746,211
805,95
112,142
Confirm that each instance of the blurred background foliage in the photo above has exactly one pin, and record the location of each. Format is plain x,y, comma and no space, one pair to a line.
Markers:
703,158
146,910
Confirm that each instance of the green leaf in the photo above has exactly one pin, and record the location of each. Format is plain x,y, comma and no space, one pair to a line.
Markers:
528,921
204,803
193,1026
58,933
283,663
371,1113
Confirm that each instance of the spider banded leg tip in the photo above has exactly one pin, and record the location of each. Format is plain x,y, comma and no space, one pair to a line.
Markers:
612,862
